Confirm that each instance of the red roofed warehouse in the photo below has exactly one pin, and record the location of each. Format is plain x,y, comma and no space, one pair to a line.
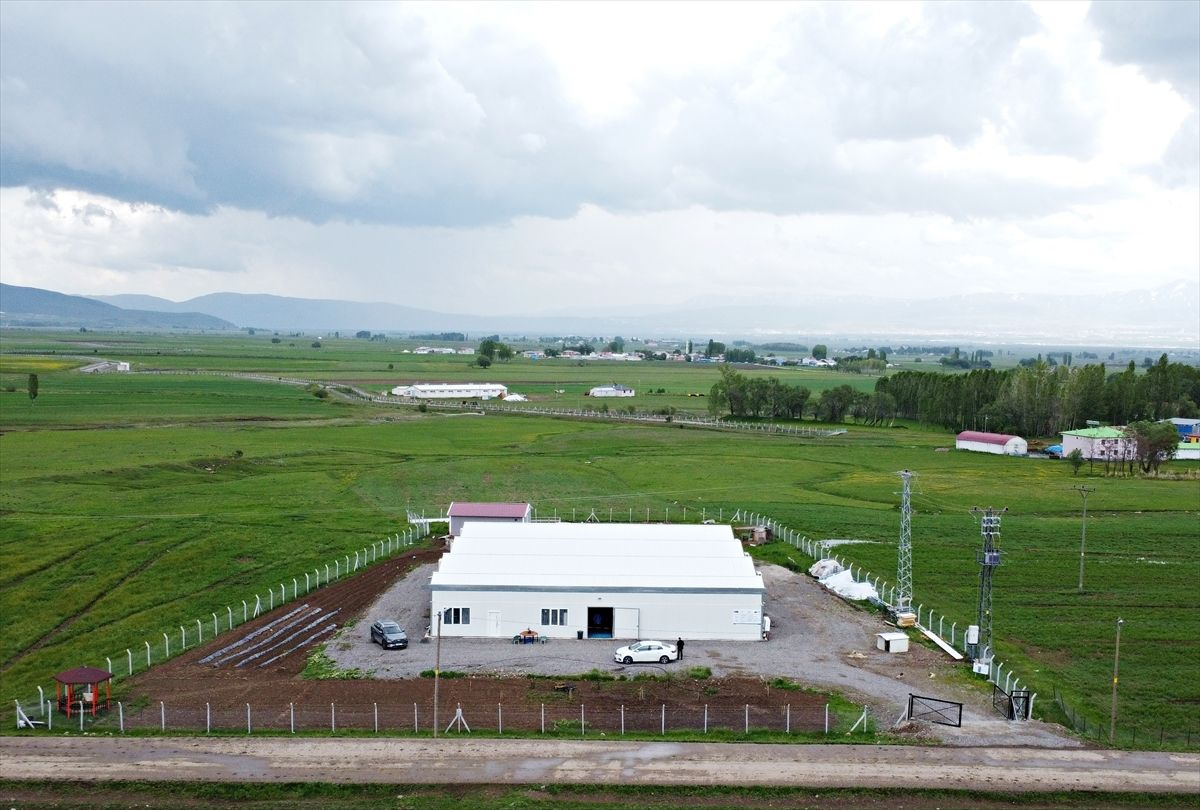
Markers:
460,513
1002,444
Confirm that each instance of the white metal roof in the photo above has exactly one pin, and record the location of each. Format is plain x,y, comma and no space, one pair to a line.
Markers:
596,556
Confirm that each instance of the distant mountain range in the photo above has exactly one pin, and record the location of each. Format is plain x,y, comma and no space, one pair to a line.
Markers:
1168,317
29,306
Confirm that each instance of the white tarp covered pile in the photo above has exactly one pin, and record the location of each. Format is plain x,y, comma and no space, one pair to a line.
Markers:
831,574
825,568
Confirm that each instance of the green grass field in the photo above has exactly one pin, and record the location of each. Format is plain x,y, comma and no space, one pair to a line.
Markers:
130,504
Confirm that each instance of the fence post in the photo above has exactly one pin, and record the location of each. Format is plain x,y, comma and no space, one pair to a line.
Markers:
129,654
705,718
827,718
208,718
270,598
216,629
162,716
307,587
787,728
499,718
332,718
416,728
199,632
120,716
663,722
247,718
295,588
376,718
167,644
543,718
622,719
245,610
747,718
147,655
110,669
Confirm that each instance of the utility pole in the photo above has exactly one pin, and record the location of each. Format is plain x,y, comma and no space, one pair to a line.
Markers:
989,560
437,668
904,556
1112,722
1084,491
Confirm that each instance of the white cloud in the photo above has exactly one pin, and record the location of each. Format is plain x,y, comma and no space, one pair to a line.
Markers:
540,156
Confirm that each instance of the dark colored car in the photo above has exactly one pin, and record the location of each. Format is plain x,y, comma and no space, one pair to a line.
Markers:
389,635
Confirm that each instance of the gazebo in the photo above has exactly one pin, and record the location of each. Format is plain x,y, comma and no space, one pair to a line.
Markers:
79,689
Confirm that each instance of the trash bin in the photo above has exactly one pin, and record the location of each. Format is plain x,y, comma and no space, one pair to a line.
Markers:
579,635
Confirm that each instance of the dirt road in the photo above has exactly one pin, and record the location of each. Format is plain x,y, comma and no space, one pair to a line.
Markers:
458,760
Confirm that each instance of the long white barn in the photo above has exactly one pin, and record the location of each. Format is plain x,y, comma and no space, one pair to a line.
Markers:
598,580
451,391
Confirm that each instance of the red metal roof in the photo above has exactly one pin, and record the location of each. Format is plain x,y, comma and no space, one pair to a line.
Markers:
498,510
83,675
985,438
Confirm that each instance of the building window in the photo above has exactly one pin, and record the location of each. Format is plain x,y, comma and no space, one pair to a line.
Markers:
456,616
554,616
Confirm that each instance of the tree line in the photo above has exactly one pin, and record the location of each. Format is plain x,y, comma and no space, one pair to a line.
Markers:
1041,400
1035,400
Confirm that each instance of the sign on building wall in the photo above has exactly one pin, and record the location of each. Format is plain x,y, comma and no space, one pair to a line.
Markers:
747,617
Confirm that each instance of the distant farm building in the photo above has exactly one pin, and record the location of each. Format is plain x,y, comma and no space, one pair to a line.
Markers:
1098,443
460,513
451,391
611,391
1002,444
598,580
106,367
1189,429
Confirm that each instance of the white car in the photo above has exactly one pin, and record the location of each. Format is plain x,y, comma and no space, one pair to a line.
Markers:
646,652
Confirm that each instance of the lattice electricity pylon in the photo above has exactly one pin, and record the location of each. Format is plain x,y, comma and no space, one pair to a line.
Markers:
989,559
904,589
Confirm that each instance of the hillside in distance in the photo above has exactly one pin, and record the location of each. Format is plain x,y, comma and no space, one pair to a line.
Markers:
1168,316
30,306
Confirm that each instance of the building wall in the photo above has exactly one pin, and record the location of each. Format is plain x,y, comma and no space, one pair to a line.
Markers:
661,615
979,447
1095,448
456,523
611,392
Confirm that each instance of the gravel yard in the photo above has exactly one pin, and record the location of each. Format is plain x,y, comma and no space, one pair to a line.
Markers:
817,639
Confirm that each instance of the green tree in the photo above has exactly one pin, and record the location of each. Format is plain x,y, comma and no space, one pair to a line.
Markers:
1075,457
1154,443
504,352
487,348
33,388
616,345
483,361
820,351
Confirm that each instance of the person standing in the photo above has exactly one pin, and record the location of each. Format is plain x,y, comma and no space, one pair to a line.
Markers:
679,649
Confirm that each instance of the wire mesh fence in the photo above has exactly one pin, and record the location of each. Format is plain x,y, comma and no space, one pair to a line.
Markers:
519,719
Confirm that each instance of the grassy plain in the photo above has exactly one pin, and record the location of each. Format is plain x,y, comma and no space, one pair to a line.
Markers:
131,504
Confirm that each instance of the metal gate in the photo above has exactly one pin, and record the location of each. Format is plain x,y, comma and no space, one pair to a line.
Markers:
1014,706
945,712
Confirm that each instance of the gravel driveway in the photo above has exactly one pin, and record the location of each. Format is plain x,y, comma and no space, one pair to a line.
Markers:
817,639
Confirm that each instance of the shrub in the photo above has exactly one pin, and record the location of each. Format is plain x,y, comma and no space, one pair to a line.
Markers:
445,673
699,673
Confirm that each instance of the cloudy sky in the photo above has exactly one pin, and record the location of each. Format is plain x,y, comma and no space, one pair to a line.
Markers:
579,157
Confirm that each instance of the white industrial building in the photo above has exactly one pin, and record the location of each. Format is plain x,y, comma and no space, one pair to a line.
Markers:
611,391
1002,444
451,391
598,580
1099,443
459,513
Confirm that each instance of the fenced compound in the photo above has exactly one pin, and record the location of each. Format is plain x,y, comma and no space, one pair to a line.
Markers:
522,719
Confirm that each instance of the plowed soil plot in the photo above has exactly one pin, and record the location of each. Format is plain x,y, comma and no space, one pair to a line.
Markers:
251,676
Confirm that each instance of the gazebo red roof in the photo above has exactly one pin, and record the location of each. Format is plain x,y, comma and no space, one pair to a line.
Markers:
83,675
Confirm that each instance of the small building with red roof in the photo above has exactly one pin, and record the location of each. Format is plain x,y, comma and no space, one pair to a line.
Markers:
460,513
1001,444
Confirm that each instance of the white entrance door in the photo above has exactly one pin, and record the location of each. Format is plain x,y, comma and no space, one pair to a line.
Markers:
494,623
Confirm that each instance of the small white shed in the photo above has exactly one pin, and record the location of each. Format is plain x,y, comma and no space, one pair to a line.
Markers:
891,642
460,513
